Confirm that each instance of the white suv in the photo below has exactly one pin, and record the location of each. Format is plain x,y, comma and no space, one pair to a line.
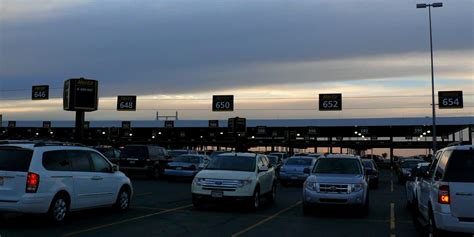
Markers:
55,179
446,193
242,177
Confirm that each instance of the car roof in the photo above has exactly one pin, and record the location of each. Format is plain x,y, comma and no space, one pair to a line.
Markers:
460,147
412,159
302,157
247,154
341,156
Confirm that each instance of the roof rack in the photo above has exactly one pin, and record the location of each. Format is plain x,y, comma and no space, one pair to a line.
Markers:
39,143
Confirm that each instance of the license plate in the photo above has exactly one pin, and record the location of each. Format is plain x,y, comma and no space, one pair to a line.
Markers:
217,194
294,177
179,168
132,162
1,181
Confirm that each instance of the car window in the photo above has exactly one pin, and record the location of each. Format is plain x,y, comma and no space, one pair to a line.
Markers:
140,152
100,164
56,161
80,161
15,159
260,162
460,167
337,166
237,163
442,164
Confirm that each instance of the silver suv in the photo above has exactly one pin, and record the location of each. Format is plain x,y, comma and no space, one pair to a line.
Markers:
338,180
446,193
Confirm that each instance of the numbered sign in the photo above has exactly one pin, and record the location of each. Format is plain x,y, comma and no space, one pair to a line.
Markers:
127,103
312,131
450,100
261,130
126,124
222,103
87,124
40,92
169,124
237,125
330,102
213,123
46,124
81,95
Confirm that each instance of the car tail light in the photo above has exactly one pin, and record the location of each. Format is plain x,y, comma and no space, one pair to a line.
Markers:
32,182
443,194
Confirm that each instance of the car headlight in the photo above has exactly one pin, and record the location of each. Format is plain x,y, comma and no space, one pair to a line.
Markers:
356,187
242,183
311,185
198,181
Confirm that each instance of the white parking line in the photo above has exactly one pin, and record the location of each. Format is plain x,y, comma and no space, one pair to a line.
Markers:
392,219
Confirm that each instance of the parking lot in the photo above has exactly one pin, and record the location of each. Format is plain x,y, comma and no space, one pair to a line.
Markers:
164,208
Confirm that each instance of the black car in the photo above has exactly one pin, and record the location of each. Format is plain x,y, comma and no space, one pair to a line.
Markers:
113,154
369,164
276,162
149,160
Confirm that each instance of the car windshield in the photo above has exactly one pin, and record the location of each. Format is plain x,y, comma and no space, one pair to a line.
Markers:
237,163
273,159
460,167
134,152
280,155
410,164
299,161
337,166
187,158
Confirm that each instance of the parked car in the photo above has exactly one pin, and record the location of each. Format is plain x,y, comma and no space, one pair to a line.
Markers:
292,169
149,160
446,194
336,181
373,178
56,179
315,155
242,177
282,155
405,169
413,182
186,165
176,153
111,153
216,153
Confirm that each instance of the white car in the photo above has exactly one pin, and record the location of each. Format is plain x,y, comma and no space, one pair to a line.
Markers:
56,179
413,183
242,177
446,193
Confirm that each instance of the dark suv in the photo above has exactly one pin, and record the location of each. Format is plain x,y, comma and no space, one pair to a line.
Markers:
149,160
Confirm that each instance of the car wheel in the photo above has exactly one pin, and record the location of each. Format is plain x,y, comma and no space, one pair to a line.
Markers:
255,203
123,200
431,229
366,207
58,209
272,194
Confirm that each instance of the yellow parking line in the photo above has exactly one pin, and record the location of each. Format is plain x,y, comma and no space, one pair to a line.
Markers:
125,221
142,194
265,220
391,186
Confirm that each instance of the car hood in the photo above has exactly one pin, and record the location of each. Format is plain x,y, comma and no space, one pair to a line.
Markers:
294,168
182,164
336,178
225,174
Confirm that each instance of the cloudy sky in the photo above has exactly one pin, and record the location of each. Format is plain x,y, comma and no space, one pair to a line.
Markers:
275,56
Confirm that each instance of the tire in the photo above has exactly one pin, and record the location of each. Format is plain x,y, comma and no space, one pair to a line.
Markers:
272,195
122,204
58,209
431,229
254,204
366,207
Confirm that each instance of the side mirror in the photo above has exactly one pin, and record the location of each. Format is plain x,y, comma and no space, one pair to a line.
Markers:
115,168
263,169
306,171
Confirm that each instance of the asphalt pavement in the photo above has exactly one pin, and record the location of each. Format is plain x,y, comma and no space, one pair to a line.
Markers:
164,208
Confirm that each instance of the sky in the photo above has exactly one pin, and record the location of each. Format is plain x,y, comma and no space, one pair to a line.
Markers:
275,56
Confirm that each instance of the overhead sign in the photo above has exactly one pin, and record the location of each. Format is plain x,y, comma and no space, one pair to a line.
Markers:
40,92
46,124
222,103
87,124
213,123
330,102
80,95
169,124
237,125
126,124
12,124
127,103
312,131
261,130
450,100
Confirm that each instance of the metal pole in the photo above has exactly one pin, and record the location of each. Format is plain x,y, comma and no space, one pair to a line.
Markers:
432,85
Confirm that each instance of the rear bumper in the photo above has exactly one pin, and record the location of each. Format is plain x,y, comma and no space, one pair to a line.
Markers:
28,203
450,223
181,173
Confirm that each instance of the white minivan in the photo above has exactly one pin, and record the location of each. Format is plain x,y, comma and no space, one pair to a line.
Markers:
55,179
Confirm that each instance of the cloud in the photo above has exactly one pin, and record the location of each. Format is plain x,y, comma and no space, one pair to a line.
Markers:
14,10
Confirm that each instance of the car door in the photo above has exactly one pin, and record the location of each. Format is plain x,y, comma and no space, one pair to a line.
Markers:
104,178
425,186
261,175
265,175
85,180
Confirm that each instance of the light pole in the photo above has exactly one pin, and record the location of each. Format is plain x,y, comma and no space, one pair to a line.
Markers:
424,5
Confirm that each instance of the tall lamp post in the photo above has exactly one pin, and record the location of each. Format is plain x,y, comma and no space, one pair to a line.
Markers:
429,6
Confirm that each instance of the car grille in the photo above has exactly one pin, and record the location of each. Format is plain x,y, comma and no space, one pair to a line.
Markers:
334,188
332,200
466,219
220,184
